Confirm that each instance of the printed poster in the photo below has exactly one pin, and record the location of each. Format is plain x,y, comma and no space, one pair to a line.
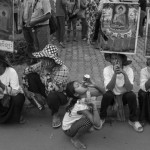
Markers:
120,24
147,41
6,25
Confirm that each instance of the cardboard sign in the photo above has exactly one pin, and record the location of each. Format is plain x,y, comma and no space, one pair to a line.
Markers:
6,25
120,24
147,41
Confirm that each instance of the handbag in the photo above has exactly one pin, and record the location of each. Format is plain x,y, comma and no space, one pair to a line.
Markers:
53,24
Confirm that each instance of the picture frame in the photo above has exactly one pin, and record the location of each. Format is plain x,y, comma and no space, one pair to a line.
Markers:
147,39
6,25
120,24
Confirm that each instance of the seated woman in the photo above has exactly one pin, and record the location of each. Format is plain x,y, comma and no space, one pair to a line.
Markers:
82,113
48,78
11,94
119,80
144,94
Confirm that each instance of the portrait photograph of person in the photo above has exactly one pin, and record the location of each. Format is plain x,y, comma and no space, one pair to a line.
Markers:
120,23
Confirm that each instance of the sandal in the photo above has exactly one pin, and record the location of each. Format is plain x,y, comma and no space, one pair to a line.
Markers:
136,125
56,122
101,125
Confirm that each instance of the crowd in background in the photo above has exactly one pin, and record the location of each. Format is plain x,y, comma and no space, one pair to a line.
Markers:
65,13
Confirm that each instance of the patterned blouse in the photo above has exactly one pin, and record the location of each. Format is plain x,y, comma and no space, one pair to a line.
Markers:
56,80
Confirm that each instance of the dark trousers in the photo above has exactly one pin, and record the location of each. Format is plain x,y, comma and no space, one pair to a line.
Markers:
35,84
28,36
61,28
127,98
144,105
72,22
16,21
142,16
41,37
13,113
84,28
98,30
54,99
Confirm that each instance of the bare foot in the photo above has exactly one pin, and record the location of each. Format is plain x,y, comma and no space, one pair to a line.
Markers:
78,144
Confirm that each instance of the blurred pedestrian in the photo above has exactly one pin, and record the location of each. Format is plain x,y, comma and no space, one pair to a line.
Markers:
34,20
144,94
61,12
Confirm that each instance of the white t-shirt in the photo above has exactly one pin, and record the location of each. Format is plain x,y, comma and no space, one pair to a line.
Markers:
73,116
144,76
10,78
119,86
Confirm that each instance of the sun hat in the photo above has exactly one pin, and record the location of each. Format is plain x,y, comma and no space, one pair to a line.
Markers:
125,61
50,51
4,60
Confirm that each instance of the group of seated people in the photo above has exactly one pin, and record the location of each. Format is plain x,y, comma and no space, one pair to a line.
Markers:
48,80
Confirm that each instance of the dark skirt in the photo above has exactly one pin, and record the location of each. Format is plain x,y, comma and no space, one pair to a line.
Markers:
13,112
144,105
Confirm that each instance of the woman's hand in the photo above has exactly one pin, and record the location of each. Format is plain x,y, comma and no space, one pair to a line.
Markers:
117,69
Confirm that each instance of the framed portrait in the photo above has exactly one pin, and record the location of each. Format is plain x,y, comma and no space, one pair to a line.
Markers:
119,24
6,25
147,41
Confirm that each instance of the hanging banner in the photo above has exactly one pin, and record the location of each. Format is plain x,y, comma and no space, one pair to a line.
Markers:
6,25
147,41
120,24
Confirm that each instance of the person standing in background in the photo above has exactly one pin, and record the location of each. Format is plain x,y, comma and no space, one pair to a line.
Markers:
34,20
23,25
143,5
81,15
72,9
41,13
60,15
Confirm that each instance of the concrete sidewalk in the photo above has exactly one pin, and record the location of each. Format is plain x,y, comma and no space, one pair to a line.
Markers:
37,133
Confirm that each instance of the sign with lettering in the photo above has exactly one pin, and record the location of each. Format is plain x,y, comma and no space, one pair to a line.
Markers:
120,24
6,25
147,41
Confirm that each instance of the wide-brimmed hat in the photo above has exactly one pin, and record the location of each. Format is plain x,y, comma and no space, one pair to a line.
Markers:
125,60
4,59
50,51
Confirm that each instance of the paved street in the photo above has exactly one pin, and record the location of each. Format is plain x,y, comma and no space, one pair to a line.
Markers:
37,133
